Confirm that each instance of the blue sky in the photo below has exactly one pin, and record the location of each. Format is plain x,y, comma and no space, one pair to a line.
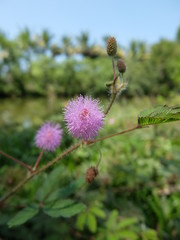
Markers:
143,20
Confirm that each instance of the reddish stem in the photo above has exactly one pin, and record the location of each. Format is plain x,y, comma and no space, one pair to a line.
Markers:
16,160
37,161
28,178
114,94
114,69
113,135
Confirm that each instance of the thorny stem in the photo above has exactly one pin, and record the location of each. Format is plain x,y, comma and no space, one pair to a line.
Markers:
61,156
37,161
16,160
114,94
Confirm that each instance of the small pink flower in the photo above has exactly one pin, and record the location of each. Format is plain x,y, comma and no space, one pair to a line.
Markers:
49,136
84,117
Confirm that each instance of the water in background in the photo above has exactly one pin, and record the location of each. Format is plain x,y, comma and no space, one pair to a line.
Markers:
29,111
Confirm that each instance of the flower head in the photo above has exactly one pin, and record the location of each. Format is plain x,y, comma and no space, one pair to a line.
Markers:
49,136
121,66
111,46
84,117
91,173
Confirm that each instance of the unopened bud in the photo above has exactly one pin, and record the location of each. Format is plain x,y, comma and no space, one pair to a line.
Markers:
91,173
121,66
111,46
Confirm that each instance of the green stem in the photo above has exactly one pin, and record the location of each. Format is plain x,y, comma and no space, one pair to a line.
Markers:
16,160
100,157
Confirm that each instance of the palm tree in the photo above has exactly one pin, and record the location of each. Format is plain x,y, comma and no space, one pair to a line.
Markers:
55,50
178,35
46,37
24,39
133,48
83,41
105,39
87,50
67,45
142,50
41,42
25,43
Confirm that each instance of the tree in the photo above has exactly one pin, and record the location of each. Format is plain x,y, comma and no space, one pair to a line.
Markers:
178,35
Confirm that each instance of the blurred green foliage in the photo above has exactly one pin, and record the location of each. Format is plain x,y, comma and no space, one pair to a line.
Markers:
135,196
33,65
137,192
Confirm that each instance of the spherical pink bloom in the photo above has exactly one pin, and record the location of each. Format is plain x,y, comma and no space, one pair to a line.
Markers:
84,117
49,136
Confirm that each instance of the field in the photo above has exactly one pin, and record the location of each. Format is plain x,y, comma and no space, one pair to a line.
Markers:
136,194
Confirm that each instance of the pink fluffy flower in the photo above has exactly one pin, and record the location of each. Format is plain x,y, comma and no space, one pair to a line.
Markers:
84,117
49,136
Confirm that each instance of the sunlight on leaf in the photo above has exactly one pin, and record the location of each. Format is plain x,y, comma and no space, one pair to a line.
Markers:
126,222
81,219
91,222
127,235
162,114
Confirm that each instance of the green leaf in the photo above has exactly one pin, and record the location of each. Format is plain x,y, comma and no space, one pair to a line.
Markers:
112,236
162,114
109,84
66,191
126,223
23,216
4,218
111,222
62,203
50,183
81,221
91,222
98,212
127,235
149,234
156,205
67,211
